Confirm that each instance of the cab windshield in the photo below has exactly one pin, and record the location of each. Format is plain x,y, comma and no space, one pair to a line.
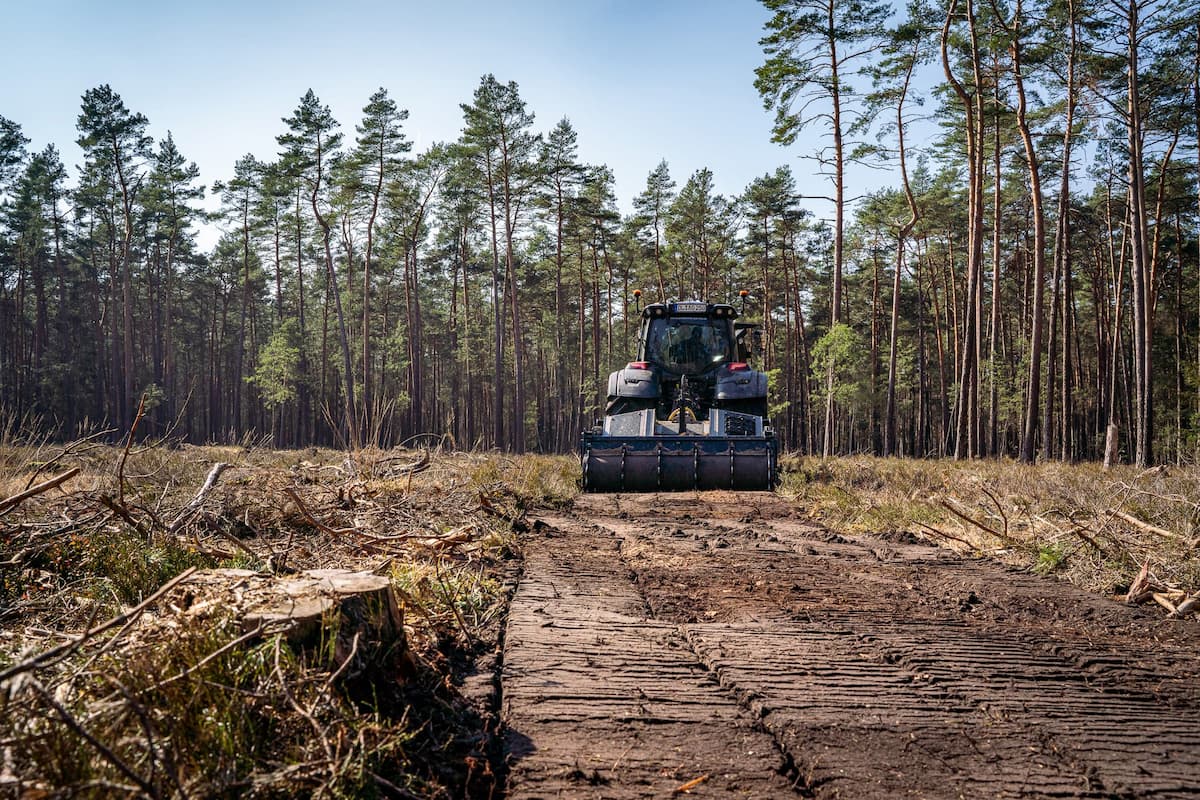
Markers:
688,344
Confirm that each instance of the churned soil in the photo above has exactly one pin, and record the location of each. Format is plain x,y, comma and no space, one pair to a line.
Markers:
717,644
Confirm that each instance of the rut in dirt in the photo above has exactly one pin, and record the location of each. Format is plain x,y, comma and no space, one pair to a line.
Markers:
712,641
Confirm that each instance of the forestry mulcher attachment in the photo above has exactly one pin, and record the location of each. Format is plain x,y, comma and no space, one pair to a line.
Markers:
689,413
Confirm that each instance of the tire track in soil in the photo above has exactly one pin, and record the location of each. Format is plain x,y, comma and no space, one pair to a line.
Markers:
602,701
889,669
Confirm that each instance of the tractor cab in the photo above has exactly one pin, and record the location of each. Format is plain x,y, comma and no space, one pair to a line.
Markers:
692,338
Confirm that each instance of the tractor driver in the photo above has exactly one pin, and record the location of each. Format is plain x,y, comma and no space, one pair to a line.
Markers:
692,349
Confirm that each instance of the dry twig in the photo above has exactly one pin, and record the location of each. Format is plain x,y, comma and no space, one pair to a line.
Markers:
686,788
944,535
100,747
125,453
975,522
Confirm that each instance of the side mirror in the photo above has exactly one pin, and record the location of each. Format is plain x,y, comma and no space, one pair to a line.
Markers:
744,341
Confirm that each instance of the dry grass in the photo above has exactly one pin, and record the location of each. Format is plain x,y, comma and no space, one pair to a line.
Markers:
1091,527
164,706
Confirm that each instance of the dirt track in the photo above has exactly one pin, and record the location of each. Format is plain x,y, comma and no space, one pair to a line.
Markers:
715,642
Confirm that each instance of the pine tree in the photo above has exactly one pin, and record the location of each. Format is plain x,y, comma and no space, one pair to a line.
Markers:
498,139
114,139
375,162
239,197
562,173
700,230
652,207
310,147
171,191
814,50
12,152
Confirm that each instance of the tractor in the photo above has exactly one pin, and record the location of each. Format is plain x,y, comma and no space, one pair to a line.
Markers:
689,413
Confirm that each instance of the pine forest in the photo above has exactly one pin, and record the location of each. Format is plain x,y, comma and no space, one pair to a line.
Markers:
1026,286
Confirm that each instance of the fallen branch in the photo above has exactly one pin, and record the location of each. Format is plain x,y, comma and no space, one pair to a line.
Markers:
1140,584
420,465
453,538
975,522
945,535
213,475
1187,605
686,788
100,747
12,502
999,507
236,542
121,511
321,526
316,523
1145,526
1163,601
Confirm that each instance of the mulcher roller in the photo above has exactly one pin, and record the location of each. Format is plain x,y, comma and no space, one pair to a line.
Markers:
678,463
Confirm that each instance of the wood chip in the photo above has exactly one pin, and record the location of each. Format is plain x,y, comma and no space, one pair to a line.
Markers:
692,784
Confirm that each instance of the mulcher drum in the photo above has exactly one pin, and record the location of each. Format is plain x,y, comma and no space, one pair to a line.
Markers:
678,463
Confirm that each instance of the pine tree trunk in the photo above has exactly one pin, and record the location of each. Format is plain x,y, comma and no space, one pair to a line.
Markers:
835,315
1028,452
1140,273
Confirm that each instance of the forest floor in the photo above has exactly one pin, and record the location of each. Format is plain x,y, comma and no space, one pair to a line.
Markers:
876,628
725,645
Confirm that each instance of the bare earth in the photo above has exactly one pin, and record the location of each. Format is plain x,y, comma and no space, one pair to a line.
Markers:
718,645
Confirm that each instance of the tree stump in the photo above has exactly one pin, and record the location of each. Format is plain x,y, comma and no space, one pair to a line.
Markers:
347,621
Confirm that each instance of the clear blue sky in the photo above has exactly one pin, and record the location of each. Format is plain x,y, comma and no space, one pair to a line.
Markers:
640,80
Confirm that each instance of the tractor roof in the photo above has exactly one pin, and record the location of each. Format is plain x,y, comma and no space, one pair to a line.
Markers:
689,308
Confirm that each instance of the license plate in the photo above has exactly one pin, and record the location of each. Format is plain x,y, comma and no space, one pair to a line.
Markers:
691,308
